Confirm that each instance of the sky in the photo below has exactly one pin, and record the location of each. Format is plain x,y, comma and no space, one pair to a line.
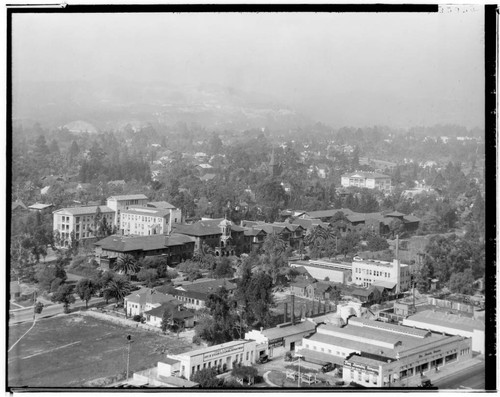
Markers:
340,68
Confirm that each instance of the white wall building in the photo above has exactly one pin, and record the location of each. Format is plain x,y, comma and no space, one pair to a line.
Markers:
368,272
223,356
369,180
452,324
336,272
80,220
146,221
119,203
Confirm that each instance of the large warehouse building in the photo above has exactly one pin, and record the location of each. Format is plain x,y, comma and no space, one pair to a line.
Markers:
376,354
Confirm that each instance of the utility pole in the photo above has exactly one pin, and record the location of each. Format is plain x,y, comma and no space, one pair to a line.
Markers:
129,342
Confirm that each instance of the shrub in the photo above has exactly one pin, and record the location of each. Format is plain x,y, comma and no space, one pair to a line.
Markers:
196,340
137,318
55,284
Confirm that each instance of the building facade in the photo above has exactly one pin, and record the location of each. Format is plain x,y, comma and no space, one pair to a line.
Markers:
148,221
277,341
334,271
376,354
388,274
119,203
224,356
81,221
369,180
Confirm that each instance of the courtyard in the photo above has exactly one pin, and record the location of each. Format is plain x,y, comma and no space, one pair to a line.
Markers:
82,351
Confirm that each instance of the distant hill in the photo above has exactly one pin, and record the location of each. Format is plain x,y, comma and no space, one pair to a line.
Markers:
113,104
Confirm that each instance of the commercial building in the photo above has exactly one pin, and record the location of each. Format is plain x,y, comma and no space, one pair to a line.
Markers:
224,356
147,221
82,221
161,376
390,275
337,272
453,324
119,203
369,180
278,340
377,354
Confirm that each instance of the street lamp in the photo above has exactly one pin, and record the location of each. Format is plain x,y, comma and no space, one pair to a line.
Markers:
129,342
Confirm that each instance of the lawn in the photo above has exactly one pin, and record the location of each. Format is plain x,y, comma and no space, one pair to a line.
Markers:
79,351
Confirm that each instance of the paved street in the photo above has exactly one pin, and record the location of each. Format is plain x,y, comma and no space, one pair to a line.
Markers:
467,378
23,315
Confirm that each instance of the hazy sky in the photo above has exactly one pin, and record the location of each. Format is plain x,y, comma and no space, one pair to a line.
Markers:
428,66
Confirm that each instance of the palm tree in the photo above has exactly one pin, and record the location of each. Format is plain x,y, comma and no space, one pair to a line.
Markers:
126,264
117,288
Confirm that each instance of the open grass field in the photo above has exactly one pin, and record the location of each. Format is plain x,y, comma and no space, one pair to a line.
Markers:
80,351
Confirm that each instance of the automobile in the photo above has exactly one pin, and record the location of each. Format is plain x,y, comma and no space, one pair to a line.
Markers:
425,382
263,359
327,367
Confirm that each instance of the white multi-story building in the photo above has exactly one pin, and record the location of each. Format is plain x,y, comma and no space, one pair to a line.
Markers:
147,221
119,203
80,220
368,272
369,180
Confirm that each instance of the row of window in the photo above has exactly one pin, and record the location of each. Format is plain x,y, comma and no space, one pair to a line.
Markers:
314,347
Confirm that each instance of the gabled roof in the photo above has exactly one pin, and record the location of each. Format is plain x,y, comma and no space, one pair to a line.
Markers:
18,205
179,314
128,197
87,210
142,243
411,219
301,283
395,214
384,284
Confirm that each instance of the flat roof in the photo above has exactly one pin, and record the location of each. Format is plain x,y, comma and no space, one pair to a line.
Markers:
444,319
147,211
129,197
212,348
87,210
278,332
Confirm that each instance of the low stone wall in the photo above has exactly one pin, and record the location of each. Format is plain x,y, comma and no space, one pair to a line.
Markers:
107,316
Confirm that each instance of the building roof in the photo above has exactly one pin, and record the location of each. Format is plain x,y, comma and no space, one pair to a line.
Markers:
208,286
301,283
450,320
315,355
138,296
411,218
161,204
395,213
142,243
128,197
18,204
207,177
367,175
366,339
205,227
87,210
40,206
278,332
328,213
178,314
212,348
384,284
147,211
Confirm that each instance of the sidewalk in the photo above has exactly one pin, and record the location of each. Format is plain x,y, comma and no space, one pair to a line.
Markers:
443,372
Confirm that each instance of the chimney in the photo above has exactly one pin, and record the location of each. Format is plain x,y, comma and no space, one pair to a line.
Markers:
398,267
293,309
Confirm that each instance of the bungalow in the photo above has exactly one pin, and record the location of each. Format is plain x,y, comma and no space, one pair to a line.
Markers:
179,317
195,294
146,299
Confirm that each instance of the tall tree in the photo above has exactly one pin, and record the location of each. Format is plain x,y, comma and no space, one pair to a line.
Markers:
117,288
86,288
126,264
65,296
